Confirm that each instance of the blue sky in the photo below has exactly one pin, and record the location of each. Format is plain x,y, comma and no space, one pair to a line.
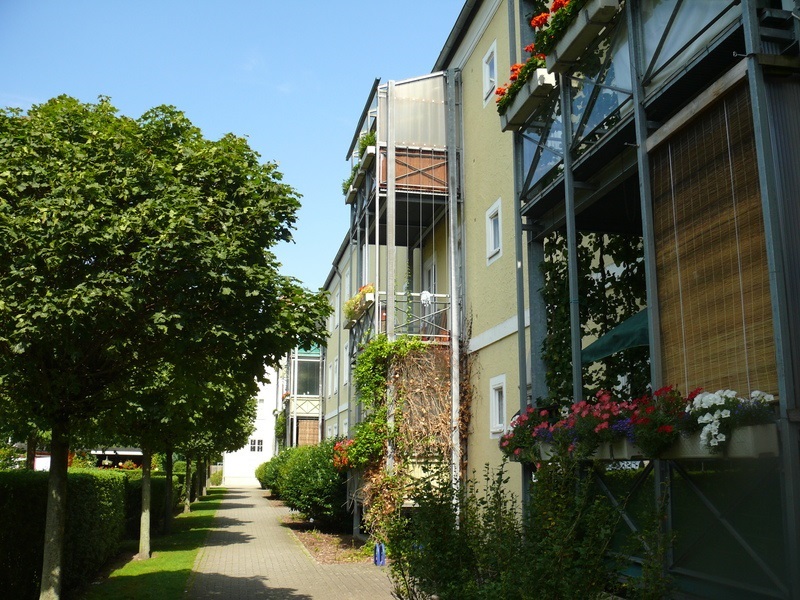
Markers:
291,76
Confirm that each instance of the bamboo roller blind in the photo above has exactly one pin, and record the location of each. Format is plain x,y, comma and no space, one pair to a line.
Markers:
711,262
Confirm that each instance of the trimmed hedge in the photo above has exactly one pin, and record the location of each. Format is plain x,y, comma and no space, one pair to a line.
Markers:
133,501
95,524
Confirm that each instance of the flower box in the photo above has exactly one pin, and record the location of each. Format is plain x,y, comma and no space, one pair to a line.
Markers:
356,306
351,195
530,97
622,449
581,32
752,441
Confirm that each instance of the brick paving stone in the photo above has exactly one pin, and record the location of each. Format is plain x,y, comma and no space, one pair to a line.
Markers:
249,554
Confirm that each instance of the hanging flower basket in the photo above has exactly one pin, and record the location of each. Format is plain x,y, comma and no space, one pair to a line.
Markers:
530,97
581,32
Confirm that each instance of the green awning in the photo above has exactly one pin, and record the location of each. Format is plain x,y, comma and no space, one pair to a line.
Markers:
630,333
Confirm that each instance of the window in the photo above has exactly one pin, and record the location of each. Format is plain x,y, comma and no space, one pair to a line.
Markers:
346,284
336,375
330,380
489,73
494,229
256,445
307,378
346,427
497,405
346,369
337,305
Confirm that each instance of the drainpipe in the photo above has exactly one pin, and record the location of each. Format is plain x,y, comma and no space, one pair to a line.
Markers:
451,79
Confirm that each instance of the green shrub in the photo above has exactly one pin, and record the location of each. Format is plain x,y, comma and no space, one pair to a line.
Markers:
261,474
466,544
459,543
179,466
269,473
310,484
8,457
216,478
94,526
83,459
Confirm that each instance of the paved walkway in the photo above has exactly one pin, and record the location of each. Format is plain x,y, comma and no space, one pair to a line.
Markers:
250,555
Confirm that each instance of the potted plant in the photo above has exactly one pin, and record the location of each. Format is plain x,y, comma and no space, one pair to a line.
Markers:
357,305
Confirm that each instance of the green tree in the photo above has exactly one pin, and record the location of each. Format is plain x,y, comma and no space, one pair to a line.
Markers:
125,244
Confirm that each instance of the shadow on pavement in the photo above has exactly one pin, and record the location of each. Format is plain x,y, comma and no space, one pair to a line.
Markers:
212,586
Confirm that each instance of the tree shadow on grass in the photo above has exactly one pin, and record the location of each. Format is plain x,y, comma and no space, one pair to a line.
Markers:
169,585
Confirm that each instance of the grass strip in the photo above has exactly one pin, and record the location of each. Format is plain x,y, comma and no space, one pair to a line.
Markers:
165,575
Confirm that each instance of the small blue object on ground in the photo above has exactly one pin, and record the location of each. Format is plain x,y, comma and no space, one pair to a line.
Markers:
379,555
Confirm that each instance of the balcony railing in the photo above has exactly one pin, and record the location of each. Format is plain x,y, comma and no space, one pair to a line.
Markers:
421,314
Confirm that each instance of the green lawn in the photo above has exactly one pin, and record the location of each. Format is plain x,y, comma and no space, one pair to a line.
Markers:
165,575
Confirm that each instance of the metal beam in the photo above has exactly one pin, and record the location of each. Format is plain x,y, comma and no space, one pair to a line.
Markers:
770,203
572,241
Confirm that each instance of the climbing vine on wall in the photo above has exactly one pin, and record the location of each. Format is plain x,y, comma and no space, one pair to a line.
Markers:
611,288
404,389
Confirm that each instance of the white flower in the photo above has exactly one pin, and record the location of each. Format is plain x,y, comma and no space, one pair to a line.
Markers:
721,437
725,414
759,396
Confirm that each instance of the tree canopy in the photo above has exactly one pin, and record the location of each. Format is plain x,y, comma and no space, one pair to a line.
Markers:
127,244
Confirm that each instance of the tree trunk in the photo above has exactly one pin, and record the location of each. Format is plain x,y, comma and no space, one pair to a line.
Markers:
198,489
168,493
202,476
30,454
144,527
53,558
187,485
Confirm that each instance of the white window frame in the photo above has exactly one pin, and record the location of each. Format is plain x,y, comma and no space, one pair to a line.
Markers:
497,406
337,306
346,427
346,284
346,366
489,73
330,380
336,375
494,243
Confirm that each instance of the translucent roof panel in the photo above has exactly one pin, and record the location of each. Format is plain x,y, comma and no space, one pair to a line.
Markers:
419,112
681,28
